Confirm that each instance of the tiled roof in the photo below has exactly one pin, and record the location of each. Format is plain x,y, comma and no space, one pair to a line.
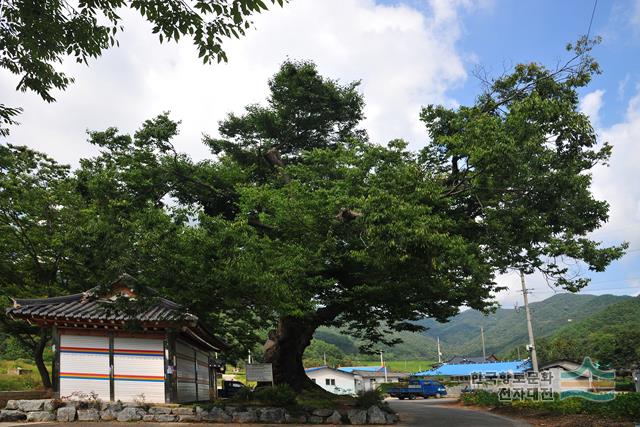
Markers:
97,306
446,369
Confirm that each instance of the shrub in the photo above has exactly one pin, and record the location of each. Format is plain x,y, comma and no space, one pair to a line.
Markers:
278,395
366,399
481,398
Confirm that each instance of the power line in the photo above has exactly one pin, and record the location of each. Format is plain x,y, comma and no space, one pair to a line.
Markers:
593,12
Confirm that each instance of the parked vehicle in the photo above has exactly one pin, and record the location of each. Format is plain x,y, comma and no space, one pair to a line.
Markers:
231,388
419,388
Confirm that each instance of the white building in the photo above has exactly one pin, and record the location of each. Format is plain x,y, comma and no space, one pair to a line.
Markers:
333,380
352,379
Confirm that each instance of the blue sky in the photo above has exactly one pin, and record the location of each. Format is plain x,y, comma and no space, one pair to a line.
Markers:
406,53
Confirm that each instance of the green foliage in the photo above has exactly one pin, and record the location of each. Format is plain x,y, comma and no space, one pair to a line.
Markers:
609,335
279,395
369,398
35,36
623,406
480,398
319,351
506,328
299,221
12,382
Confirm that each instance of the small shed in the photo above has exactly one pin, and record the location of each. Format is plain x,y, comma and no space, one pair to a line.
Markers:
370,377
168,357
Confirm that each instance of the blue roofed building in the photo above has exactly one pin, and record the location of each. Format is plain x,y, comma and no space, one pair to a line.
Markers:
478,370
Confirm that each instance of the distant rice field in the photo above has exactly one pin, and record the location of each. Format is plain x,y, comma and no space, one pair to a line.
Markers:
410,366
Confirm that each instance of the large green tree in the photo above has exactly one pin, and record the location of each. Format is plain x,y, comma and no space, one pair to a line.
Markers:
314,225
39,212
37,35
299,221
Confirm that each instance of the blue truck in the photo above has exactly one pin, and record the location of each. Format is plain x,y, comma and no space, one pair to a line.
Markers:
419,388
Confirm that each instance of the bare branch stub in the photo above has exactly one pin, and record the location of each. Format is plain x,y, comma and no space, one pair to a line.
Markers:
347,215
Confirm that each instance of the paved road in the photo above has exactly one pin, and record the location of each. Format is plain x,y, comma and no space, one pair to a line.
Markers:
436,412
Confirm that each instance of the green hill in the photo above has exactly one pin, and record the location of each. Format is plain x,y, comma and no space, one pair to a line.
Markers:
504,330
610,336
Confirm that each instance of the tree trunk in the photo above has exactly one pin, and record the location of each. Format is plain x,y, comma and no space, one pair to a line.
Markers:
38,352
286,345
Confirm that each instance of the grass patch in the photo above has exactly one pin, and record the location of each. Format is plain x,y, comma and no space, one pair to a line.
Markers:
11,382
624,406
410,366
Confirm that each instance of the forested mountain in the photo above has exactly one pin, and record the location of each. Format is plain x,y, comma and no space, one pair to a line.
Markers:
610,336
504,330
507,328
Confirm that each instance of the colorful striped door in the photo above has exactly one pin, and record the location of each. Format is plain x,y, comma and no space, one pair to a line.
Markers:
186,372
139,369
84,366
202,360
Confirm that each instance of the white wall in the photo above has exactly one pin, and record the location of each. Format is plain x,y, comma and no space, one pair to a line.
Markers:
344,382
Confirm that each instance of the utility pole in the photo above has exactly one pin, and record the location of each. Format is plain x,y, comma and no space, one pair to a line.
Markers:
383,366
439,352
324,358
518,350
532,344
249,357
484,353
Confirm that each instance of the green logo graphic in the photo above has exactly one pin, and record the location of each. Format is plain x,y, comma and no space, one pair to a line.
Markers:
588,382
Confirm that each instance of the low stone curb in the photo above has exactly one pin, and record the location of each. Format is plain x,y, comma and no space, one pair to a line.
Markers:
42,410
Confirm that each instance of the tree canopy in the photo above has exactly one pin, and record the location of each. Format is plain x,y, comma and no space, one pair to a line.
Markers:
299,221
36,36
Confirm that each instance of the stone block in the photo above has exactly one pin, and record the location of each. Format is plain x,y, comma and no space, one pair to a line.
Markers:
156,410
216,415
40,416
314,419
12,415
88,415
188,418
322,412
182,411
272,415
335,418
245,417
148,418
108,414
295,418
357,416
12,404
66,414
130,414
165,418
375,415
31,405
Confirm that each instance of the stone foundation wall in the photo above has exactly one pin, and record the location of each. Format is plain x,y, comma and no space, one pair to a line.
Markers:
42,410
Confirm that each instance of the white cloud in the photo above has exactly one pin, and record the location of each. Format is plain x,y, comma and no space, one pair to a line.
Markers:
616,183
405,59
591,105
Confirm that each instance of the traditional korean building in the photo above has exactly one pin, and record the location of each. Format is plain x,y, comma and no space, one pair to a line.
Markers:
161,353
